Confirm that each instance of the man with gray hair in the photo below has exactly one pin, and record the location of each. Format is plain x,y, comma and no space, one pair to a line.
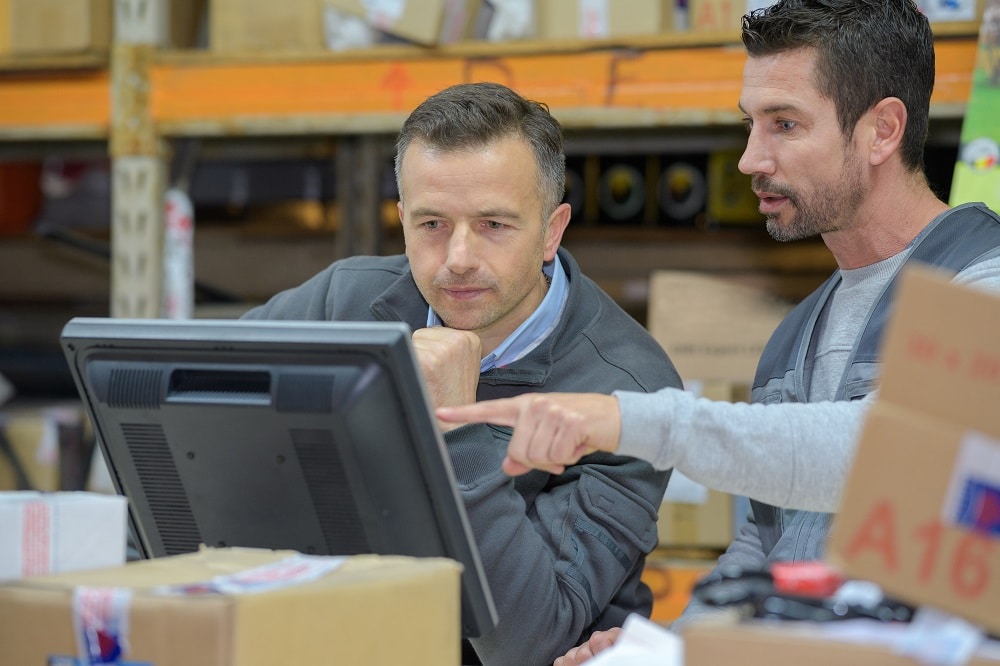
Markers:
499,309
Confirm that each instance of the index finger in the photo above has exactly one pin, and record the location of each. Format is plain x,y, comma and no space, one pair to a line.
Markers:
503,411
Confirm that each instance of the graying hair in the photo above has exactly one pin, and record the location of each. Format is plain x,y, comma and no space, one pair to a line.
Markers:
472,115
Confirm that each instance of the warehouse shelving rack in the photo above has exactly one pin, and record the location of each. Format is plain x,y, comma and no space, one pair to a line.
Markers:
139,97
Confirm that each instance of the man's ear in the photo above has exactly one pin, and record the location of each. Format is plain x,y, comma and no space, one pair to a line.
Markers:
558,221
889,123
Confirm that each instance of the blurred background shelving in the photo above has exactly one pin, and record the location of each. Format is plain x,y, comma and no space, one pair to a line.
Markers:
286,153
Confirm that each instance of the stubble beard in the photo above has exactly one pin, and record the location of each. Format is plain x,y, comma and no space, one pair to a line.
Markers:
820,213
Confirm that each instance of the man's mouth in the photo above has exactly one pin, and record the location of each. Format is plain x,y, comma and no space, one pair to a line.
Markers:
770,201
463,293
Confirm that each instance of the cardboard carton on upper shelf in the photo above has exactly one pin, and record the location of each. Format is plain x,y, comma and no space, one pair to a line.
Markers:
949,11
506,20
266,26
718,16
240,607
32,27
601,19
425,22
56,27
920,513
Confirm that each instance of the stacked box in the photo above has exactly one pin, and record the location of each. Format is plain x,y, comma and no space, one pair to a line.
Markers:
602,19
239,607
920,513
34,27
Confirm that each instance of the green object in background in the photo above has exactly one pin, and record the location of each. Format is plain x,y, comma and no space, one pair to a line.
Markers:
977,171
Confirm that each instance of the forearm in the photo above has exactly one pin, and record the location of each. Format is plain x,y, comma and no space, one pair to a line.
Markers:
794,455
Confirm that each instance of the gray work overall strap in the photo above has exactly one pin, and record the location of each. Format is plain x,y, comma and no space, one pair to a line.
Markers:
965,235
961,237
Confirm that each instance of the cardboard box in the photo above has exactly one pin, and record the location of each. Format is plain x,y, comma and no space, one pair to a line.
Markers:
46,533
505,20
712,328
722,16
601,19
32,461
427,22
920,514
949,11
760,643
32,27
696,524
263,25
242,607
45,447
187,23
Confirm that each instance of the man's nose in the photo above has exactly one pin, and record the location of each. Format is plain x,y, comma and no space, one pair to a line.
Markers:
462,255
756,158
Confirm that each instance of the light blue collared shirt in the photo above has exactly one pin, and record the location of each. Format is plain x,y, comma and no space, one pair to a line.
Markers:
534,329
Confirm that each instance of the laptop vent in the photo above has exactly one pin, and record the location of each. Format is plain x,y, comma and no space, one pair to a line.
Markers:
305,393
330,492
135,388
162,487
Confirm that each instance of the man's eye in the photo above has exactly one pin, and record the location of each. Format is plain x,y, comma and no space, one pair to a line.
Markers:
431,224
786,125
494,225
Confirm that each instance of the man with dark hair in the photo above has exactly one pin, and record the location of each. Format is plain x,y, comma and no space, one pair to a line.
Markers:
498,309
836,97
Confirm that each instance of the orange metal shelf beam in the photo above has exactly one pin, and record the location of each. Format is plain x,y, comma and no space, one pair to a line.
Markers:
72,104
604,87
612,87
686,79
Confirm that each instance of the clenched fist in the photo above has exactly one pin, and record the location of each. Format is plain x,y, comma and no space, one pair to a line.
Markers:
449,359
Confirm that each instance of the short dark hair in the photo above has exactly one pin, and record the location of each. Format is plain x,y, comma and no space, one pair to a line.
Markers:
471,115
867,50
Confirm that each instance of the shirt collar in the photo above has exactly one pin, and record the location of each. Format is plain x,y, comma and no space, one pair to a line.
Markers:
534,329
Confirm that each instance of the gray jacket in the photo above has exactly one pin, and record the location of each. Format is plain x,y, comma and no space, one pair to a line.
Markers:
563,554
